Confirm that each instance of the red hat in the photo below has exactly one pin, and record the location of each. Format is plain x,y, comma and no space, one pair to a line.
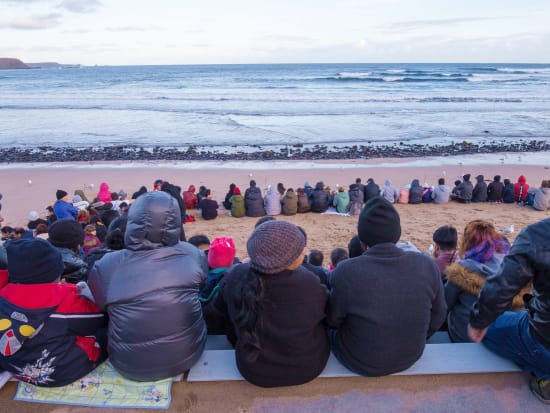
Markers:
221,252
236,191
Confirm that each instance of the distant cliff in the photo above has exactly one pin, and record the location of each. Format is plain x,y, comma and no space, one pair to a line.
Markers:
10,63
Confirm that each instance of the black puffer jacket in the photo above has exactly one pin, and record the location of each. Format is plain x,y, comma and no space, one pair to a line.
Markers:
528,260
150,291
254,202
319,199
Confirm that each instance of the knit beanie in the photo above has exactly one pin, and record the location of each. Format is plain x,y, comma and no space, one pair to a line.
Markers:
66,233
378,223
221,252
33,261
274,245
60,194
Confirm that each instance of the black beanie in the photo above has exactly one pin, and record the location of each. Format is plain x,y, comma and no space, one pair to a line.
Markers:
66,233
33,261
378,223
274,245
60,194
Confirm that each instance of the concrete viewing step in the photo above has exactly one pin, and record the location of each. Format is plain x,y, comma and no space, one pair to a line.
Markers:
443,358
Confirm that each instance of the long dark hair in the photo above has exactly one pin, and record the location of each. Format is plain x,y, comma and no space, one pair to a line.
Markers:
249,311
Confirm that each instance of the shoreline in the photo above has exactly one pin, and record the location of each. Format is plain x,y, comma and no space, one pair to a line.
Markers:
315,152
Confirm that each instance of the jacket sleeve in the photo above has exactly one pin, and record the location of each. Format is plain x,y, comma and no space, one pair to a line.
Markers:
337,312
82,316
98,287
516,271
439,306
451,294
215,312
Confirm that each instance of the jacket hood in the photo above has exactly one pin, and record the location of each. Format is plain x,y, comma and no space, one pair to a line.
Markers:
319,185
443,188
522,179
472,282
487,268
104,186
191,188
388,182
154,221
415,182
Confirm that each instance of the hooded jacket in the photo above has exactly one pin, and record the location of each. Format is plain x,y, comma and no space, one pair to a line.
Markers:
303,202
104,195
237,205
520,189
441,194
319,199
341,202
415,193
190,199
272,201
389,192
479,194
290,203
541,201
494,191
253,201
150,292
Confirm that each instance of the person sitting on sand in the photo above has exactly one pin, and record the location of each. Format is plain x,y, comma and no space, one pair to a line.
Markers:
237,203
190,199
150,292
289,203
415,192
227,203
508,195
319,198
281,189
381,297
273,310
494,190
303,201
441,193
208,206
389,192
520,189
479,194
341,201
482,250
372,190
539,198
253,201
272,201
464,190
356,198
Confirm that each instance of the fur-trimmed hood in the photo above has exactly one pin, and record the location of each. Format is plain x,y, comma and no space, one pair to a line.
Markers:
472,282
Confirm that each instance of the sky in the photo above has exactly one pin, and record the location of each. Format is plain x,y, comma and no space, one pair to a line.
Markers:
137,32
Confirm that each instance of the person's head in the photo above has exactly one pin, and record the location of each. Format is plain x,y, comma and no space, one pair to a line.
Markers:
114,196
154,221
41,229
507,181
357,180
90,230
466,177
200,241
83,216
480,178
445,238
355,248
266,218
18,232
49,210
62,195
33,261
221,252
341,189
66,233
441,181
276,246
316,257
289,190
481,241
545,183
252,183
208,194
337,255
496,178
236,191
281,188
457,182
378,223
122,195
157,185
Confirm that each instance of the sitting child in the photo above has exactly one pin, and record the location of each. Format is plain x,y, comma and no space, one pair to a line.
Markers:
50,335
221,255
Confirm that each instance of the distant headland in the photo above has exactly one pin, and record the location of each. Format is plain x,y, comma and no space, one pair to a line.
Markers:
13,63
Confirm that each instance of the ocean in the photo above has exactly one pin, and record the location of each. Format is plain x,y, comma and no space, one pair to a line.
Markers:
251,106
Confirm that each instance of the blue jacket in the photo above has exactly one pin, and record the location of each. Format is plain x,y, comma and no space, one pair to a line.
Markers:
64,210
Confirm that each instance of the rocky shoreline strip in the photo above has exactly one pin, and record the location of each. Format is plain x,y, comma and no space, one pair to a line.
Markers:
259,152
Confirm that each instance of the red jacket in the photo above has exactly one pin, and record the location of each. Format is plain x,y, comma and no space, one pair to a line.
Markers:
190,198
520,189
47,332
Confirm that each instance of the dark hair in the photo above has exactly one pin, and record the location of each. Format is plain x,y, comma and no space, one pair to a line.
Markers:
115,240
507,181
264,219
114,196
355,248
19,230
252,182
497,178
248,314
357,180
337,255
281,188
441,181
41,229
207,192
446,237
7,229
199,239
316,257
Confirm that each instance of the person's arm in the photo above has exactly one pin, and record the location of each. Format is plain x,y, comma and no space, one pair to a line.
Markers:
499,290
451,294
439,306
336,313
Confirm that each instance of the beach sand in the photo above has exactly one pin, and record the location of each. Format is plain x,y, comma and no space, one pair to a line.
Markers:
495,392
32,187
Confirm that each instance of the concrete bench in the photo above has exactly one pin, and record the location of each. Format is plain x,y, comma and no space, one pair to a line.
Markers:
218,364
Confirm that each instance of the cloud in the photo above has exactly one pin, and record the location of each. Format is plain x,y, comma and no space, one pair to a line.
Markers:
80,6
420,24
32,22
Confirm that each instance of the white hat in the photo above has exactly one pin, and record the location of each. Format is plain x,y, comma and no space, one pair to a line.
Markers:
33,216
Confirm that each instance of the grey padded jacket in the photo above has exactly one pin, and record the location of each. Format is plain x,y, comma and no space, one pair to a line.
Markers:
150,291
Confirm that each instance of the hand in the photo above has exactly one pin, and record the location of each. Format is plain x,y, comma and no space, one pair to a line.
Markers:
476,334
